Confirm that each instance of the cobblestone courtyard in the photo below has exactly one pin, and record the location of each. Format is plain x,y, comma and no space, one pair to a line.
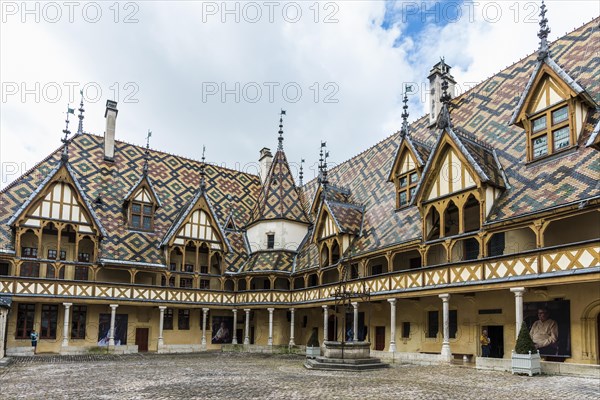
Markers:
244,376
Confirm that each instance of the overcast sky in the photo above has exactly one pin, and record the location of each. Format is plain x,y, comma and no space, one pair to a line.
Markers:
217,74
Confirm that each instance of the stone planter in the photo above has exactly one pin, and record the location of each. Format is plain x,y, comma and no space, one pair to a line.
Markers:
526,363
313,352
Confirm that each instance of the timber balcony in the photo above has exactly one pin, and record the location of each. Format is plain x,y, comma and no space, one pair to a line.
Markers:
580,261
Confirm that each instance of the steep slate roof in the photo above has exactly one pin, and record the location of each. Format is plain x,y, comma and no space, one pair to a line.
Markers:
268,260
279,198
176,180
348,217
239,251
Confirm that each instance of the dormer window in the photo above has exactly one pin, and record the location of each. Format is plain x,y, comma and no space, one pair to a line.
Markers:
407,186
550,131
141,215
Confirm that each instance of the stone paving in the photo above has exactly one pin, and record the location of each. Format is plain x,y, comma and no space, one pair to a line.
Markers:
255,376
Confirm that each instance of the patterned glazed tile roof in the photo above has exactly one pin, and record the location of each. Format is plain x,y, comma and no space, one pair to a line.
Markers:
239,250
308,253
348,217
143,178
279,198
484,113
266,260
176,180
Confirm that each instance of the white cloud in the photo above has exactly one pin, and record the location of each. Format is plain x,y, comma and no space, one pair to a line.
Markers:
175,50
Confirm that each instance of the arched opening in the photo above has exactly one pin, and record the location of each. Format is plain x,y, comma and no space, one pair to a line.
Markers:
432,224
260,283
282,284
331,328
313,280
330,276
145,278
49,243
242,284
406,260
86,250
175,259
113,275
471,220
377,266
335,252
228,286
464,250
324,255
203,258
436,254
190,257
511,242
299,283
29,245
451,219
215,267
573,229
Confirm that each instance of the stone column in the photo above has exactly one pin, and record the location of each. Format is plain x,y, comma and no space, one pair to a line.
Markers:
355,322
270,340
247,327
204,316
292,312
234,334
66,335
392,325
111,332
161,325
446,325
518,291
325,322
3,319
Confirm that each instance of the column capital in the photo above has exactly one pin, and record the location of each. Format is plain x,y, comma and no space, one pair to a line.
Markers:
354,304
67,305
162,308
234,310
392,301
518,291
114,306
444,297
270,310
205,310
292,309
325,307
247,310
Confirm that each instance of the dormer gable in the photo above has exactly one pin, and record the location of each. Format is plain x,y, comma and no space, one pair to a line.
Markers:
197,222
405,172
59,198
552,109
140,204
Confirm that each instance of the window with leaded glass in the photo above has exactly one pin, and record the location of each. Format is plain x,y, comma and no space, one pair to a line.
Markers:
550,131
49,321
78,319
168,319
183,319
141,216
25,316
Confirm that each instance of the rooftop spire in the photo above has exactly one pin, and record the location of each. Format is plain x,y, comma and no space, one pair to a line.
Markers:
543,51
444,120
281,114
323,154
147,152
202,172
404,129
80,116
301,174
67,132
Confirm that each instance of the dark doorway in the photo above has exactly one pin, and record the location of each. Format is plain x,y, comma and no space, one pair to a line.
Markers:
239,334
141,339
252,335
331,328
379,338
496,335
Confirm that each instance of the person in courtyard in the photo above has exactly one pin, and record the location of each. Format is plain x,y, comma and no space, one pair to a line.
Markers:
34,340
544,333
485,344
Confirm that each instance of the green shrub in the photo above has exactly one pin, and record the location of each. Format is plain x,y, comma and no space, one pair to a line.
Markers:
524,343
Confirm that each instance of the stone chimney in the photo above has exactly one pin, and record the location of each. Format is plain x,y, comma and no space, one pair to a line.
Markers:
265,160
109,134
435,83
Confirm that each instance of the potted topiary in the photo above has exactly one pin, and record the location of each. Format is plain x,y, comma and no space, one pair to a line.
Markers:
313,349
525,357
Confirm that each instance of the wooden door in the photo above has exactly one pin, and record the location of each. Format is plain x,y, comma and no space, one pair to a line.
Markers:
379,338
141,339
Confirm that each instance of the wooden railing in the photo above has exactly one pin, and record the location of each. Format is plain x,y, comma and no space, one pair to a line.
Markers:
541,263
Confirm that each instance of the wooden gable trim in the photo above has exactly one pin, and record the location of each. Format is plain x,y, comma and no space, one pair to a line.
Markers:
62,175
540,83
404,147
324,212
437,160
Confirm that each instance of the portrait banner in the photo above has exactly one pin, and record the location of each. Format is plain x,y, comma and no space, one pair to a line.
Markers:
549,324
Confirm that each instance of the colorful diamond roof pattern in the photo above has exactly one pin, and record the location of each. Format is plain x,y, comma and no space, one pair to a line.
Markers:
263,261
